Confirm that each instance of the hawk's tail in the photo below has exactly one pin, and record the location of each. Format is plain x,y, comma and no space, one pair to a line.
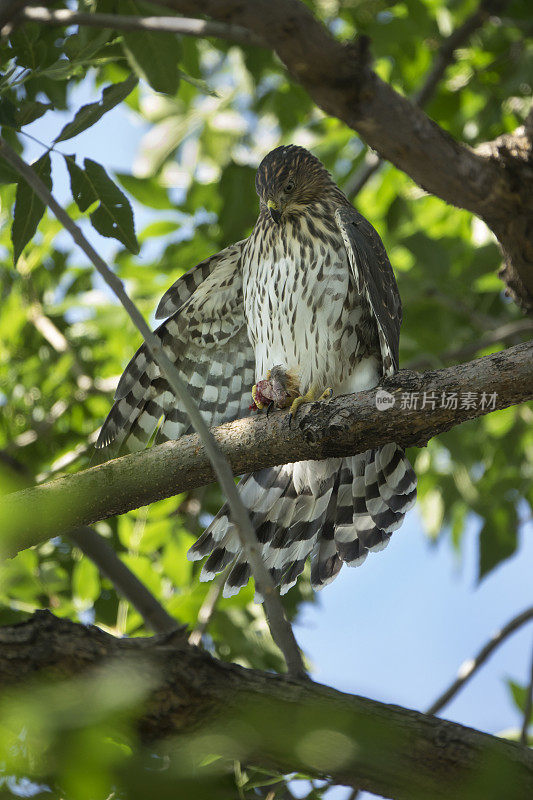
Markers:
334,511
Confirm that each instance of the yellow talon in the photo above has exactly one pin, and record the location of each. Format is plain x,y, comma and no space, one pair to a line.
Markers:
297,402
308,397
257,402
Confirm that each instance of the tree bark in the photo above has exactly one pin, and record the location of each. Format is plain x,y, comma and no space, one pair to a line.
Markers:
493,181
340,427
285,724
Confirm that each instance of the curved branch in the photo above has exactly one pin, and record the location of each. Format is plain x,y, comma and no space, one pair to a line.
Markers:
472,665
289,725
340,427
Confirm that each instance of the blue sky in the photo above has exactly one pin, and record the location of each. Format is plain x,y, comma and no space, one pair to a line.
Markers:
398,628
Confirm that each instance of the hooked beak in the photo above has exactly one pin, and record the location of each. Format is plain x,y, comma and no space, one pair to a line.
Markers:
275,213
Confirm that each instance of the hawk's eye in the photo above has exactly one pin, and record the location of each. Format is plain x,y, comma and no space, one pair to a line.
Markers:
289,186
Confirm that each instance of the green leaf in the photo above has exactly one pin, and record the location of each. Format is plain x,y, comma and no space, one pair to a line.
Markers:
202,86
82,190
153,56
85,581
87,115
27,112
147,191
113,217
62,69
28,208
7,112
498,538
7,173
83,45
25,41
30,111
519,694
239,210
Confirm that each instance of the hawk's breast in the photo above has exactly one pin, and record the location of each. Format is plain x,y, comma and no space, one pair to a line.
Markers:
302,309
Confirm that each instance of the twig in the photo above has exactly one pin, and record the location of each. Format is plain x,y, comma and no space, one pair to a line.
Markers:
445,57
125,582
528,709
448,48
471,666
207,608
503,333
186,27
372,162
280,627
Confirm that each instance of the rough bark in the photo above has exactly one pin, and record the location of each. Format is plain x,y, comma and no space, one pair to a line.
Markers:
340,427
274,721
494,182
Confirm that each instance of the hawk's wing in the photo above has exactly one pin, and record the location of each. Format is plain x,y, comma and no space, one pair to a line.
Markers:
187,284
374,277
206,338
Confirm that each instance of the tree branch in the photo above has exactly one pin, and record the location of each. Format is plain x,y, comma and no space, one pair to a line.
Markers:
280,627
340,427
207,608
470,667
118,22
280,723
495,182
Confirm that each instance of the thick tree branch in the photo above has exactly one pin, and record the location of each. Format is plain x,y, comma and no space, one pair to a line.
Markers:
495,183
340,427
273,721
280,627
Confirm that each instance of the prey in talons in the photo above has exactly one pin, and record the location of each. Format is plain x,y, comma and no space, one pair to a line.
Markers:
280,389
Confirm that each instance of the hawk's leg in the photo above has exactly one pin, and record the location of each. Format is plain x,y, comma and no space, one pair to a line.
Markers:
309,397
278,390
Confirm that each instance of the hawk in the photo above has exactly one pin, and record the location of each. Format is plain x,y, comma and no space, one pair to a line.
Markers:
306,306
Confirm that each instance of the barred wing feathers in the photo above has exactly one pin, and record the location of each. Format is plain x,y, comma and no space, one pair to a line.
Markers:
206,338
374,276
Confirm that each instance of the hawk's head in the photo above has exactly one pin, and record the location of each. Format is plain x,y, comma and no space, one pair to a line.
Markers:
290,178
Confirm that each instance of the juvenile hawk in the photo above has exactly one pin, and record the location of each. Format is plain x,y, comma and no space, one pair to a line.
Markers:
306,305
